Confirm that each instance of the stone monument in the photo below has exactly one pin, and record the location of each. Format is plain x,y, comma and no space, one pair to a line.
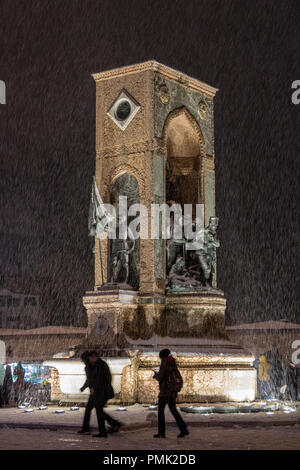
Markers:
155,145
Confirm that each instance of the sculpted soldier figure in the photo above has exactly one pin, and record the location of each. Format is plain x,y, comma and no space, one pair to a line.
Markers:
207,254
179,277
121,259
175,246
197,270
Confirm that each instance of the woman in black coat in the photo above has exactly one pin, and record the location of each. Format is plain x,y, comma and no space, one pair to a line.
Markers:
167,396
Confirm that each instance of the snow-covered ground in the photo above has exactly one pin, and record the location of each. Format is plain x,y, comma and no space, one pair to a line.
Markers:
48,430
273,437
139,416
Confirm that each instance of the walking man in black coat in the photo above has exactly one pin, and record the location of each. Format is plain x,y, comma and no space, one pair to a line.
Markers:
99,382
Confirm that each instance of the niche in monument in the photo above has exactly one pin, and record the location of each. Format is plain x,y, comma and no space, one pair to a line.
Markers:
183,160
185,144
123,255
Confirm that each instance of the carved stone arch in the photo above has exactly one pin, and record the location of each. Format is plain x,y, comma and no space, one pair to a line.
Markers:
122,169
175,114
185,152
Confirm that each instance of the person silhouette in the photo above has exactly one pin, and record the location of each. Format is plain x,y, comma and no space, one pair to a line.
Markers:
170,382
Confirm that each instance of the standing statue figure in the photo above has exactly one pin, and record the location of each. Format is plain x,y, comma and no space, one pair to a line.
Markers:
175,246
121,258
207,254
121,261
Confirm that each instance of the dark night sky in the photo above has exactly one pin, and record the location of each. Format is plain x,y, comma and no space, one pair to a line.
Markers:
248,49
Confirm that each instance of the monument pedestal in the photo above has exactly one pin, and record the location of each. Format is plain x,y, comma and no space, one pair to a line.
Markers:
107,310
116,317
208,376
190,325
195,315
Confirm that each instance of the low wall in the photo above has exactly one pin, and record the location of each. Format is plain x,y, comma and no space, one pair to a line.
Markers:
41,343
207,377
68,375
261,340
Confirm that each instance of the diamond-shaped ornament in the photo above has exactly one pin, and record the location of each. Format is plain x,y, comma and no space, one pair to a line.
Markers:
123,109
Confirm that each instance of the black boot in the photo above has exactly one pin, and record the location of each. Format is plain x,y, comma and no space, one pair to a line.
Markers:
84,431
114,428
159,435
183,433
100,434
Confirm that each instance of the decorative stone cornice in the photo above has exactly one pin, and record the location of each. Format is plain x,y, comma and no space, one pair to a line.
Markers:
167,72
157,146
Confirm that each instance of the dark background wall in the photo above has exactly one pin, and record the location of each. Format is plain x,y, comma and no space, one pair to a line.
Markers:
247,49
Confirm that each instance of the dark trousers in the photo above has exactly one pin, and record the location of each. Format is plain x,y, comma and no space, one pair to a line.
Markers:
171,402
87,415
101,416
293,392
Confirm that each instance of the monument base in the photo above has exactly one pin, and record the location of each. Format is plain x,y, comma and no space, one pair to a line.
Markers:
129,329
107,310
216,371
68,376
213,370
119,317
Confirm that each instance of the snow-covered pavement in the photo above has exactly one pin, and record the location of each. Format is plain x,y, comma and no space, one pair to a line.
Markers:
45,429
137,417
240,438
